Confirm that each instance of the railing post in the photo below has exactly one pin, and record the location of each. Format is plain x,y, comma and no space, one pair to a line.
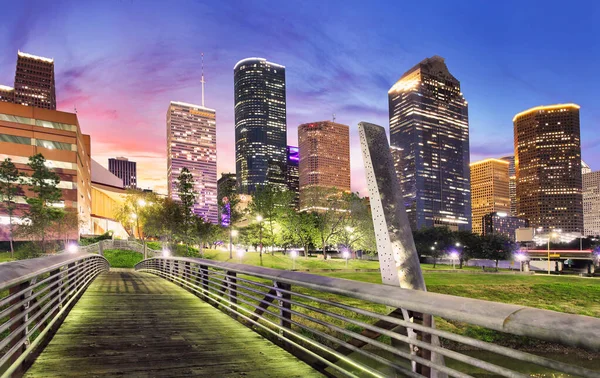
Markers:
204,275
284,305
232,285
187,271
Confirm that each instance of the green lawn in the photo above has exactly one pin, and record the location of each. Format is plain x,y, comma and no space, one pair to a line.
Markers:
122,259
5,256
279,261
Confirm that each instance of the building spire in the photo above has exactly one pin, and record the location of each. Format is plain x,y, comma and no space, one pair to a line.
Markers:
202,80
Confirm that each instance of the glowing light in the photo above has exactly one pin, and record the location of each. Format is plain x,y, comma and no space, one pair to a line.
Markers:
403,85
545,107
166,252
488,160
501,214
259,218
346,255
234,233
520,257
73,248
142,202
294,254
349,229
25,55
454,255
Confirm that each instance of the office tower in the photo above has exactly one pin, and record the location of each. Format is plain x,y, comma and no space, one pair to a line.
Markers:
34,81
585,168
397,158
429,122
489,190
26,131
260,124
225,187
512,184
503,224
548,167
292,175
324,157
7,94
125,170
192,144
591,203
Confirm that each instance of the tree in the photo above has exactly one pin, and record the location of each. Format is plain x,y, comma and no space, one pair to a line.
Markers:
332,208
10,180
187,196
497,247
357,231
433,241
299,228
41,212
470,245
268,206
65,225
206,232
163,219
135,210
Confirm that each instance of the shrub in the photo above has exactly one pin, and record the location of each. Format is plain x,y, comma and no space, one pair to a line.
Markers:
96,239
28,251
119,258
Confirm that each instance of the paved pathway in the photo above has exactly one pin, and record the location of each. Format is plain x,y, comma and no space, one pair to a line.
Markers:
138,325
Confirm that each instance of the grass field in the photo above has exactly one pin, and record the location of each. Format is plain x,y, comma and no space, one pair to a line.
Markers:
122,259
4,257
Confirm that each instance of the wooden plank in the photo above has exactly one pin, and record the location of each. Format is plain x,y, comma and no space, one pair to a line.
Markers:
136,324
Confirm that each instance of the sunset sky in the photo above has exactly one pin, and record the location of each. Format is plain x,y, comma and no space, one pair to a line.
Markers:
121,62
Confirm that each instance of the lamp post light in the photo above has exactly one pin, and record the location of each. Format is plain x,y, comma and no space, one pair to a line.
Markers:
240,253
454,257
166,252
72,248
550,236
259,218
346,255
520,257
232,233
294,254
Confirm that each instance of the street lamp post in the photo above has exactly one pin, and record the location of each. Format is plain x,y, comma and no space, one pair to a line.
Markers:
454,257
232,233
550,236
294,254
346,255
259,218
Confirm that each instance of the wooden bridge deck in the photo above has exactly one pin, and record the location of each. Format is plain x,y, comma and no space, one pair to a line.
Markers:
136,324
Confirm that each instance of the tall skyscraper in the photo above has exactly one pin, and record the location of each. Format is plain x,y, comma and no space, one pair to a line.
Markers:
34,81
324,156
548,167
125,170
260,124
585,168
512,184
489,190
192,143
591,203
7,94
429,122
292,175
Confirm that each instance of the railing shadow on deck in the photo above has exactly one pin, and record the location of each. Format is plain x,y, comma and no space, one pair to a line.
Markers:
352,328
35,295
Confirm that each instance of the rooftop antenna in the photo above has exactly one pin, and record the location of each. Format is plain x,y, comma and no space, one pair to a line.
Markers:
75,108
202,80
333,117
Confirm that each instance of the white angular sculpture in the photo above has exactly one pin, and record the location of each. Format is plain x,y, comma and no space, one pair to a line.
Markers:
398,258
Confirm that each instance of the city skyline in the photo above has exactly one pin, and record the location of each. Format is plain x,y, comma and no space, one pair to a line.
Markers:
128,80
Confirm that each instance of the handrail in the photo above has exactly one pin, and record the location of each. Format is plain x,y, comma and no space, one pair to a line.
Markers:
241,290
34,295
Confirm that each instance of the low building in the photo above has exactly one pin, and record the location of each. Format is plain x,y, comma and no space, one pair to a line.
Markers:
502,223
108,194
26,131
125,170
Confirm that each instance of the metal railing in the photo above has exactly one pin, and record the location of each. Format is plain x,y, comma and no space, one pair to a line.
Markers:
357,329
34,294
131,245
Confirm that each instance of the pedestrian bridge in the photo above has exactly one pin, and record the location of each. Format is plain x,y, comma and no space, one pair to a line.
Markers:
70,315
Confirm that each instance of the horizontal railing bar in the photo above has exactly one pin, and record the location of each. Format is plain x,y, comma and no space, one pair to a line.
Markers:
56,279
24,325
573,330
16,272
541,361
12,368
408,341
24,312
313,354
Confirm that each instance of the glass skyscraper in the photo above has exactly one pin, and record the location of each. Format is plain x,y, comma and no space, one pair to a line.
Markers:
429,123
192,143
125,170
260,124
548,167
